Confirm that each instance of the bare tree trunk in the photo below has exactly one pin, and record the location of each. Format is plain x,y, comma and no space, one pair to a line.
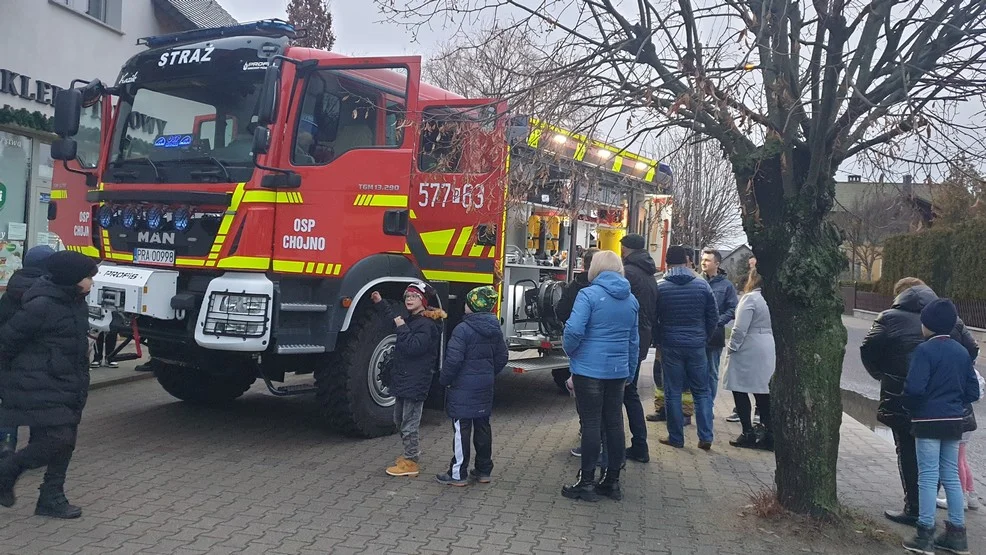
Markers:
801,252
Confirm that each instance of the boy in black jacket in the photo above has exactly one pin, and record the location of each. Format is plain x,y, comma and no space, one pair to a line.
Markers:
476,353
10,303
940,381
415,362
44,383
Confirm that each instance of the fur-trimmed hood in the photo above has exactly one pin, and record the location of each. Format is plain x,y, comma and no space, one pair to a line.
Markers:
435,314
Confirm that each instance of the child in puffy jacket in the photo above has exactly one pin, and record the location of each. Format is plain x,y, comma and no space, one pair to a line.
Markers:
476,353
415,361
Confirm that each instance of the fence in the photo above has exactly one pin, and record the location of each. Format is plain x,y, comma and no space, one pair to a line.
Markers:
973,313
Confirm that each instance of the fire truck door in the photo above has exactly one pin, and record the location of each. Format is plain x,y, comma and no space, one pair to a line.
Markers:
458,190
346,138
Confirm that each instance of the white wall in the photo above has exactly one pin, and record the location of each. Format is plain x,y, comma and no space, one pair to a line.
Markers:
51,43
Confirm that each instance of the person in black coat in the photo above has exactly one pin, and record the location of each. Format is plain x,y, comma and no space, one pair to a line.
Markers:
640,270
44,382
886,354
18,284
476,353
414,364
579,282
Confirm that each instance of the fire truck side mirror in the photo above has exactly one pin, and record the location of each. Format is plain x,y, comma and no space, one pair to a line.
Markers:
267,104
64,149
261,140
68,112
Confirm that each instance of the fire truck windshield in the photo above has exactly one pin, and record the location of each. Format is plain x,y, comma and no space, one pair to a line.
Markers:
186,129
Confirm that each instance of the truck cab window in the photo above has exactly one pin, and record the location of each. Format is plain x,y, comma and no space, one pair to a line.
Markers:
344,110
457,140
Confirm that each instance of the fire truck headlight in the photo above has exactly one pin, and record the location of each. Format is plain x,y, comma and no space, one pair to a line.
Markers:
237,315
182,217
105,216
130,218
155,218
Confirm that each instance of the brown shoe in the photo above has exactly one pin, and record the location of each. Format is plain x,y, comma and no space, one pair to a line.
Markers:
705,445
404,467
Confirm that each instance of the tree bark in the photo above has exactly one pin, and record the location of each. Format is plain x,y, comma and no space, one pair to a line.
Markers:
798,254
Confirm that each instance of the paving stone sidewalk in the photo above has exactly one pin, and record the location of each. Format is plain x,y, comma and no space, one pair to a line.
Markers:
263,475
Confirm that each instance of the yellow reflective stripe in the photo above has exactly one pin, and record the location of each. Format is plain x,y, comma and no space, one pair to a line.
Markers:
189,262
92,252
120,256
462,277
460,245
476,250
437,242
534,138
237,196
57,194
650,174
337,269
617,163
382,201
413,215
245,262
580,151
492,252
273,197
289,266
320,268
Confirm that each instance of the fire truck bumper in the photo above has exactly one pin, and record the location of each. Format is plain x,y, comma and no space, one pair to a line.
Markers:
235,312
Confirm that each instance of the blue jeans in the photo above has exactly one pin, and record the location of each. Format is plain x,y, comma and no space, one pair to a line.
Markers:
715,357
938,459
686,367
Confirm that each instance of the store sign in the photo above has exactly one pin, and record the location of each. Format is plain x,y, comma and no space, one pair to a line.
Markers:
24,86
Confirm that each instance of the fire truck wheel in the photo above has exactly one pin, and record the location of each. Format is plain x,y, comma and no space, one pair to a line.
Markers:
195,386
350,394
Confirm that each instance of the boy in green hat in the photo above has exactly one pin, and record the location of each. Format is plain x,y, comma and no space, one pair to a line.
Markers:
476,353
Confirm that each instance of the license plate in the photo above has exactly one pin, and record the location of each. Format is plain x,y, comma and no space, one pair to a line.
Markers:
154,257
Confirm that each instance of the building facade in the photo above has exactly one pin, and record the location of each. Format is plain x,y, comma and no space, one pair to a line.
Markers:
48,44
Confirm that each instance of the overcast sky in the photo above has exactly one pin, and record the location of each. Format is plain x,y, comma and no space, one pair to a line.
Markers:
358,26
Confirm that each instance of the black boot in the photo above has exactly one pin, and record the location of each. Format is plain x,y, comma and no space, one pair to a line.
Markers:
609,484
584,487
953,540
747,440
922,542
765,438
659,416
907,517
52,502
9,472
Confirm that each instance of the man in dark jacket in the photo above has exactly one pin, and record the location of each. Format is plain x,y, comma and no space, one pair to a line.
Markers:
886,354
726,302
686,318
44,382
476,353
414,364
18,284
639,269
579,282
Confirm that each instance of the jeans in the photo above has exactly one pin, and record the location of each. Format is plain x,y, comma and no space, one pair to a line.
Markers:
715,357
938,459
907,465
687,367
482,438
407,417
600,404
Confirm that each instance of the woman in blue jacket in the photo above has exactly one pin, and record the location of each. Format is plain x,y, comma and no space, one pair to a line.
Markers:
600,336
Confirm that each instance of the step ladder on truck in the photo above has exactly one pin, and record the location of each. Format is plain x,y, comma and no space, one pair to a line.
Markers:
247,195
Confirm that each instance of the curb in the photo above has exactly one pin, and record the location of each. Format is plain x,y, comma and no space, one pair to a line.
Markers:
136,376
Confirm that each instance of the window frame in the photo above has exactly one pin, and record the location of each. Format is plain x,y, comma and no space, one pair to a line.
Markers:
387,94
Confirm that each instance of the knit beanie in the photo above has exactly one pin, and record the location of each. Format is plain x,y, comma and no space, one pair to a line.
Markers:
676,255
426,291
633,241
940,316
69,268
482,299
36,256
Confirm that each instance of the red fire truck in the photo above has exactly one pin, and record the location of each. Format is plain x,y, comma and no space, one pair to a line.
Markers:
250,194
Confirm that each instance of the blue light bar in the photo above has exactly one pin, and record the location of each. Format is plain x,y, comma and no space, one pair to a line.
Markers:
274,28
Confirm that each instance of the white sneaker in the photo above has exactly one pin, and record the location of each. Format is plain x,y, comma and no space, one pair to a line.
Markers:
971,501
943,503
733,417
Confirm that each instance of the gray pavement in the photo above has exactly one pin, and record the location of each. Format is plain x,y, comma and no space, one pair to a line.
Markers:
263,475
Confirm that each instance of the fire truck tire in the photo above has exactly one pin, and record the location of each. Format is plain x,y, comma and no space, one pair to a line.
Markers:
344,392
195,386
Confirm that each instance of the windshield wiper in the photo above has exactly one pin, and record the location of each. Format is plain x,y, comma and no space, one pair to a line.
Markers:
144,159
211,159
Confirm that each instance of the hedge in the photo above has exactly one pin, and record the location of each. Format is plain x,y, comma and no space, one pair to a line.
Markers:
949,259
